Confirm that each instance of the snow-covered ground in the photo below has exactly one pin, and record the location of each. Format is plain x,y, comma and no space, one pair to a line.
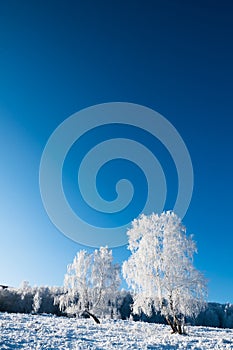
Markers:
21,331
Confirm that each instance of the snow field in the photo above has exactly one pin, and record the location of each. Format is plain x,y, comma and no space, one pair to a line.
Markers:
24,331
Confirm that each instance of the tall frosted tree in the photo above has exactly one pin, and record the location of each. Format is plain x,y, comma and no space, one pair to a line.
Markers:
91,284
160,270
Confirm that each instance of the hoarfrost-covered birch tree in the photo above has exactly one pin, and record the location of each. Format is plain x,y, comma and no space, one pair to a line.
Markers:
91,284
160,270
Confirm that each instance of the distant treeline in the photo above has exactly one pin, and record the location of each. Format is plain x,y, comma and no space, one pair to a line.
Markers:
40,300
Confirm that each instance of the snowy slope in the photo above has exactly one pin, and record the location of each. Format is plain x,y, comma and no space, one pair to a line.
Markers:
21,331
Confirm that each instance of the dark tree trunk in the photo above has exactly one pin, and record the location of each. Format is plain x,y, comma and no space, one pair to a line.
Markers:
175,325
174,322
172,325
178,325
93,316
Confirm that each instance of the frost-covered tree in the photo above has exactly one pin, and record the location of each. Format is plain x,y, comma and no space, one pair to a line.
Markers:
77,284
37,301
105,281
91,283
26,294
160,270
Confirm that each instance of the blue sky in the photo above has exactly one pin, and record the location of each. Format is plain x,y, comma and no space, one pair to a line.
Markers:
58,57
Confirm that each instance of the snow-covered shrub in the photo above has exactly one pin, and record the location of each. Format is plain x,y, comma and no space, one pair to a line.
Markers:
36,301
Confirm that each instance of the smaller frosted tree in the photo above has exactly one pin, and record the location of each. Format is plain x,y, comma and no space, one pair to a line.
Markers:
91,283
77,284
160,270
105,281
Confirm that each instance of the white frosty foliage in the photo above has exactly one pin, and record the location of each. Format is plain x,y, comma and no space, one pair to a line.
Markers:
24,288
91,283
37,301
160,270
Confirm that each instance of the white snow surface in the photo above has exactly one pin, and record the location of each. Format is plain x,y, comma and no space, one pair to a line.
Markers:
23,331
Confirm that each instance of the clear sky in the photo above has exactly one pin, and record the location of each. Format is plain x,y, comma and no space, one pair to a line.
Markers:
58,57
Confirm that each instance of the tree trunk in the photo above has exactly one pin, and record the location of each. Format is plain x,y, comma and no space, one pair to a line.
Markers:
172,325
178,325
93,316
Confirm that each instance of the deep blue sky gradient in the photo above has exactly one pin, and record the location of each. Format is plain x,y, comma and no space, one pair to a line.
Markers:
58,57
